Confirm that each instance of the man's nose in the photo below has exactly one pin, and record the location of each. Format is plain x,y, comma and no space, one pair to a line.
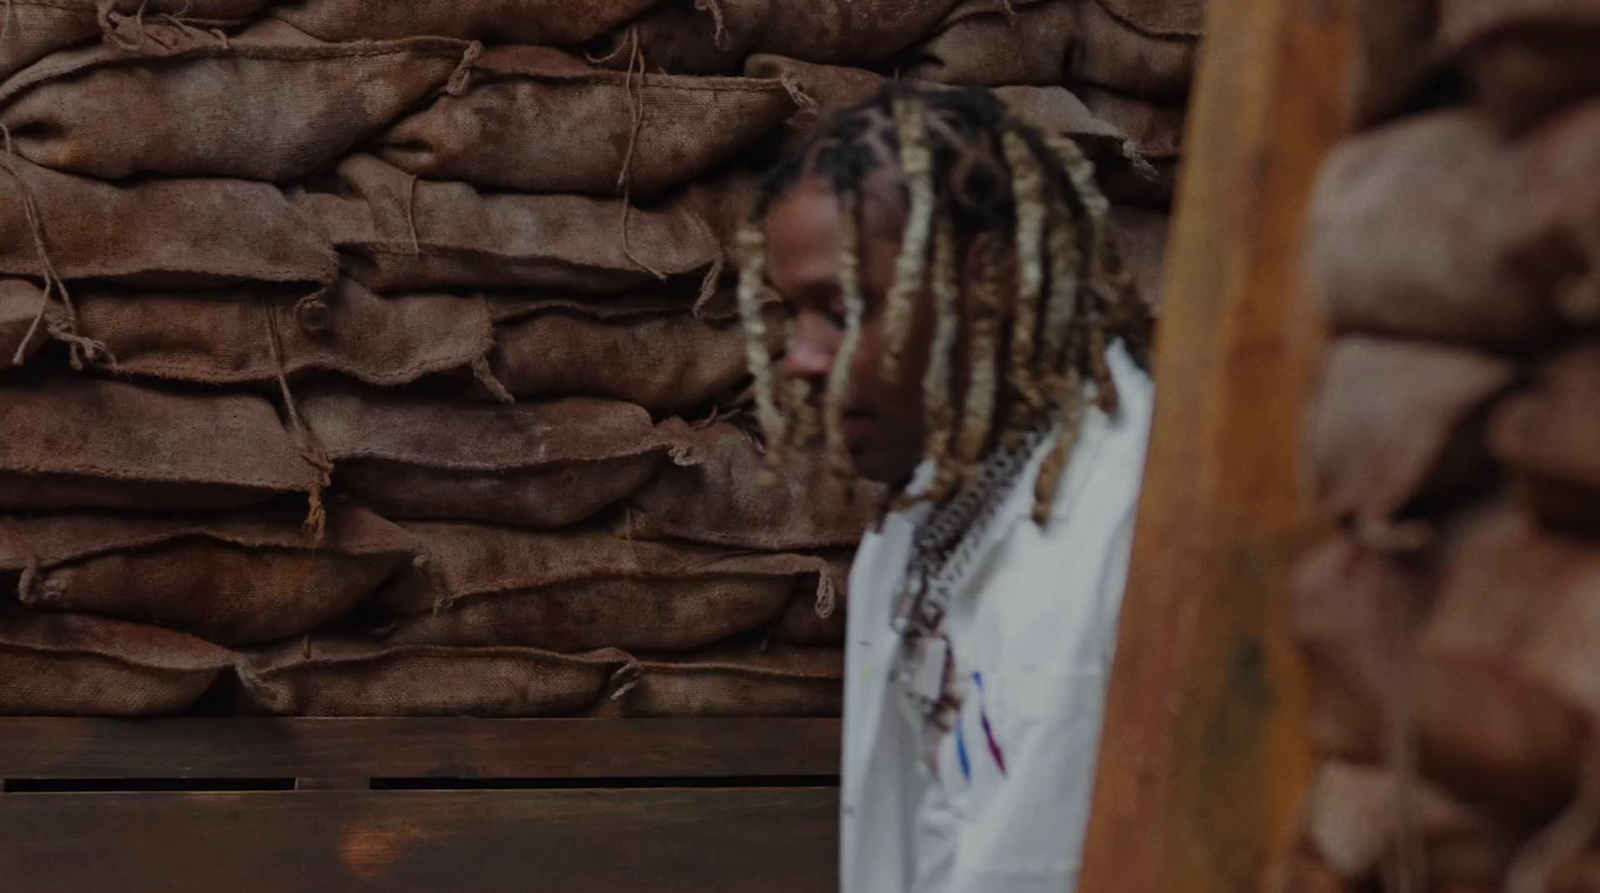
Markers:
816,343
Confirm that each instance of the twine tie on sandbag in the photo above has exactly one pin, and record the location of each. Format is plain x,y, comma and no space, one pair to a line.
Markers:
83,350
316,523
485,376
30,577
719,33
626,679
624,184
116,27
461,79
719,264
807,106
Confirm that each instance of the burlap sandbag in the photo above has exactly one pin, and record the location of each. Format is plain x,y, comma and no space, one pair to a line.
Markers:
1499,706
270,104
1411,229
1549,435
802,624
409,235
20,337
1400,423
1556,229
544,465
724,500
574,590
78,443
36,28
234,580
530,121
1393,56
1355,616
736,681
1525,58
660,357
1364,821
695,37
65,665
351,677
227,337
184,233
1054,42
1142,238
1561,573
538,22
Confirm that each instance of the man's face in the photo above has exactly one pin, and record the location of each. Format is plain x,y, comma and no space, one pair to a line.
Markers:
883,421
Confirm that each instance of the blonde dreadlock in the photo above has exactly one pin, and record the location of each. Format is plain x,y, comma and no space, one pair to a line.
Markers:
968,169
752,273
1027,182
838,396
916,166
937,384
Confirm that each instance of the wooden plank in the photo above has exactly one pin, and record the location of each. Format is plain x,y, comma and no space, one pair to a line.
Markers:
39,749
661,841
1204,758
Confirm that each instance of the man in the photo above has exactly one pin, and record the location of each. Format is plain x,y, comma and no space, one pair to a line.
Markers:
960,328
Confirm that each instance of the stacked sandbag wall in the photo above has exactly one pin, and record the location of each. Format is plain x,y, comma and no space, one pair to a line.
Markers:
380,359
1452,625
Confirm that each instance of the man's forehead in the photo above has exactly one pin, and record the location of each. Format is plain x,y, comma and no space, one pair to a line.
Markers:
881,196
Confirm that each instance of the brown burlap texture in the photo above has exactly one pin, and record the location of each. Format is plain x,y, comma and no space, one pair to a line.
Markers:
1556,229
545,465
575,590
64,665
1142,237
1549,435
347,677
234,580
1412,229
1054,42
1394,54
714,38
1504,678
539,120
407,234
1433,659
1398,423
73,443
20,302
723,499
802,624
1355,616
534,22
34,29
1161,18
183,233
226,337
270,104
1525,58
736,681
1361,818
655,354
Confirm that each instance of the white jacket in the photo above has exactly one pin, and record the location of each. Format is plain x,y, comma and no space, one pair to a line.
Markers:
1033,628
